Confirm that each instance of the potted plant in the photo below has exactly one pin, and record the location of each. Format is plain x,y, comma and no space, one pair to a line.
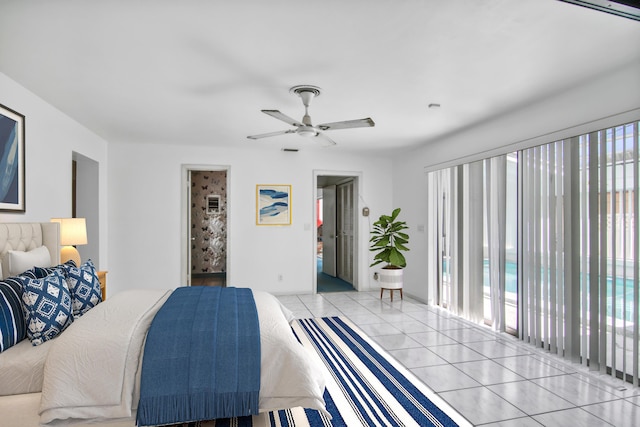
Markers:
389,240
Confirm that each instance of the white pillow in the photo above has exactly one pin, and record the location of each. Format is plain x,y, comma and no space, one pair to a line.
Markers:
20,261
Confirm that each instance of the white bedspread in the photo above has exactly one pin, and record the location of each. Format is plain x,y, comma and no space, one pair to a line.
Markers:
22,368
290,375
92,370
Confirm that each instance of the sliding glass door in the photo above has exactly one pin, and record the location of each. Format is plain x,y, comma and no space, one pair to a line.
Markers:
474,217
544,243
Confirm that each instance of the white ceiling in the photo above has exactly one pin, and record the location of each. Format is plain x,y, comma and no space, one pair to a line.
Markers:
199,72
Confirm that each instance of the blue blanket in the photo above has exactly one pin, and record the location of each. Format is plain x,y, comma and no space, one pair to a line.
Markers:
201,358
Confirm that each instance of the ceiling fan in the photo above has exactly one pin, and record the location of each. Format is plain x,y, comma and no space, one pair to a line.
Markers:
305,127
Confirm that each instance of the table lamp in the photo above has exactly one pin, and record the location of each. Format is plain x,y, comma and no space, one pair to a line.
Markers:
73,231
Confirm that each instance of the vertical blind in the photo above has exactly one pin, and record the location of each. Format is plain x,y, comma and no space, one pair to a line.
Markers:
456,256
560,252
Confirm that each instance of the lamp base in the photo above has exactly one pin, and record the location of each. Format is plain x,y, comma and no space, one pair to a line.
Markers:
69,252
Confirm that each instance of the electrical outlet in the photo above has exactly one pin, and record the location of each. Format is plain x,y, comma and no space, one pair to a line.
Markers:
279,277
375,276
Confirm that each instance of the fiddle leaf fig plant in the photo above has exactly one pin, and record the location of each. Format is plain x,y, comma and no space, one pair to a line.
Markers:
388,240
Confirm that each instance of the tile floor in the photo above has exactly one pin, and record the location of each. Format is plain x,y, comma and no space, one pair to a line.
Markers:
491,379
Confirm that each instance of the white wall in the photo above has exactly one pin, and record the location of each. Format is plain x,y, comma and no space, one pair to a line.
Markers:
51,138
609,100
140,200
145,213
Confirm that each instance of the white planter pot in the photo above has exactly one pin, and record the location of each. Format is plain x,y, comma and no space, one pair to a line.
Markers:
390,278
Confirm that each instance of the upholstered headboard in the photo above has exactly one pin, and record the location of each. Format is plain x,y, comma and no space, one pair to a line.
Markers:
27,236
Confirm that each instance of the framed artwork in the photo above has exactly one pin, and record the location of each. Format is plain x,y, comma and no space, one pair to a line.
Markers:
273,204
12,173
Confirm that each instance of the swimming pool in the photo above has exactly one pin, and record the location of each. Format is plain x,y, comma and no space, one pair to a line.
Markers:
623,290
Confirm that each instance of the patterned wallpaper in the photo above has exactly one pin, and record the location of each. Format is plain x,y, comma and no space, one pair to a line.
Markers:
208,250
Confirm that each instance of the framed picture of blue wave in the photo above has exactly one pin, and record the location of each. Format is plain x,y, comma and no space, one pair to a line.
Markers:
12,173
273,204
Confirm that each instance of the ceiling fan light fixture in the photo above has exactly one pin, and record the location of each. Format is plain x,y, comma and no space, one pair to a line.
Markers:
305,127
307,131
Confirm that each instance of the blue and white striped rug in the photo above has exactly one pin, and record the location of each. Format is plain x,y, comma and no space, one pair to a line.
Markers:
366,386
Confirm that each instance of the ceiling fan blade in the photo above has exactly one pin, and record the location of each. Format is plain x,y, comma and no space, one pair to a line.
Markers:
266,135
326,141
280,116
347,124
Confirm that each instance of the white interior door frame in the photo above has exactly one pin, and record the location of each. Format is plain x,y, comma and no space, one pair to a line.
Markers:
329,239
357,247
185,218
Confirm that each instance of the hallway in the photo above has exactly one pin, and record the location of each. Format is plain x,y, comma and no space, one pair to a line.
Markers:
328,283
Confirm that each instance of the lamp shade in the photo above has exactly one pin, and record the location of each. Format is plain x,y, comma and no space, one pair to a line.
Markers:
73,231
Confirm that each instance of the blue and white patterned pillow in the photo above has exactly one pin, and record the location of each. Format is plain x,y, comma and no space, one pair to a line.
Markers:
47,307
12,325
29,274
85,287
41,272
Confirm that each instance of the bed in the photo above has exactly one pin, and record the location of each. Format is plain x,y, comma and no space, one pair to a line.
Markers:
91,371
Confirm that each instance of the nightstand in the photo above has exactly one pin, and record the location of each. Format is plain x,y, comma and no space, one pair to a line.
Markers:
102,276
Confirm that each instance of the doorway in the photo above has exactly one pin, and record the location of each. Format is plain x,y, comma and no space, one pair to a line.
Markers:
205,217
336,222
85,202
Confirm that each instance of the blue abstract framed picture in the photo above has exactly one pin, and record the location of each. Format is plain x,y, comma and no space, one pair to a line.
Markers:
273,204
12,191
